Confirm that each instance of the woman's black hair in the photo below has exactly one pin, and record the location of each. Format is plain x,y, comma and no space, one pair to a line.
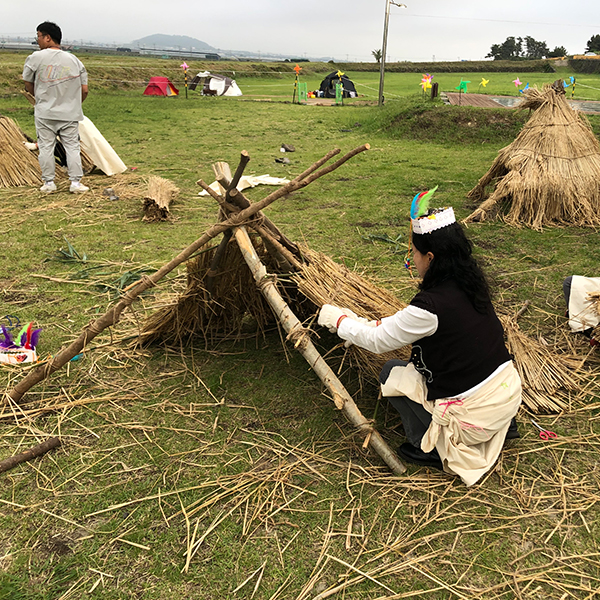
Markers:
453,259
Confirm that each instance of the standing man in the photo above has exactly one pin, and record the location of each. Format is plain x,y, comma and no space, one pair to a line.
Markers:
58,80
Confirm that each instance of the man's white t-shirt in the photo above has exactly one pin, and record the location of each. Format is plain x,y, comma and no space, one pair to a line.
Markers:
57,77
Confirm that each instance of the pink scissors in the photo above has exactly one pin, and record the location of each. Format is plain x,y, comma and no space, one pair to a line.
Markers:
545,434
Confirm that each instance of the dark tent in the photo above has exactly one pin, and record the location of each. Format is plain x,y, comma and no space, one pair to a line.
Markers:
328,86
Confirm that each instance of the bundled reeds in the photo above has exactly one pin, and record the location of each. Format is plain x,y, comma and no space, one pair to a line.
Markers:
324,281
18,165
550,174
551,380
233,304
161,192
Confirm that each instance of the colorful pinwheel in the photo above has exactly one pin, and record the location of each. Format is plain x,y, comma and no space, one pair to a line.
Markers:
462,86
517,82
525,88
426,81
484,82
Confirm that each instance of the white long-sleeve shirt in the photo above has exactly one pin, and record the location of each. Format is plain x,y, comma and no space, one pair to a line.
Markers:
404,328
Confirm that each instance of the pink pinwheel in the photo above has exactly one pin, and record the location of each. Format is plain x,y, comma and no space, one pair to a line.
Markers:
184,65
517,82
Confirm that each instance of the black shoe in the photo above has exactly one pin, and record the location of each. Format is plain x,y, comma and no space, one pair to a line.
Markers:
416,456
513,430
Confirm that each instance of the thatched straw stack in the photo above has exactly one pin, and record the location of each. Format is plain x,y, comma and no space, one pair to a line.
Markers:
234,304
18,165
550,174
551,380
161,192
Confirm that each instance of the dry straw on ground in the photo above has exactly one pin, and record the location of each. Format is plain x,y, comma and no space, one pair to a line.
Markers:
550,174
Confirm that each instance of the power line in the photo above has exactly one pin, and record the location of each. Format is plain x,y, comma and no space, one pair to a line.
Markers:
404,16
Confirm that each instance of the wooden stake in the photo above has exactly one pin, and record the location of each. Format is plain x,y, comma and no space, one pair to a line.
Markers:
292,325
13,461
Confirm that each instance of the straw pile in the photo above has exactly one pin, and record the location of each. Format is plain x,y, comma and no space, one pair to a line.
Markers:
551,380
18,166
161,192
550,174
234,306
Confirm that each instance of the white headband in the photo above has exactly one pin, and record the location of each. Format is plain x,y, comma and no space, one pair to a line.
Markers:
434,221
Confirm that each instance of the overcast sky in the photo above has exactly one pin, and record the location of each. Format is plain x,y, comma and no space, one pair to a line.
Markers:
344,29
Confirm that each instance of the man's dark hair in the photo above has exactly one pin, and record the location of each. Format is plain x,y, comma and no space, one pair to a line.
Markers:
453,259
51,29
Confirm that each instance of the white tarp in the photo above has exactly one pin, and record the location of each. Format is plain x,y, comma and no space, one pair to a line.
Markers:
247,181
99,150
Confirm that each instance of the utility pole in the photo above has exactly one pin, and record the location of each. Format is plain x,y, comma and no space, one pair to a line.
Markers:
384,46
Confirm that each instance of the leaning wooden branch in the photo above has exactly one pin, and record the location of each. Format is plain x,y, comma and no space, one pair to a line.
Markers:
112,316
13,461
299,335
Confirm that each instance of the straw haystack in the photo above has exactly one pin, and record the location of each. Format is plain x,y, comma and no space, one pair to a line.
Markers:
550,174
18,165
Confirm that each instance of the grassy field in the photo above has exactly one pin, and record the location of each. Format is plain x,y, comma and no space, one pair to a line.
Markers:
226,472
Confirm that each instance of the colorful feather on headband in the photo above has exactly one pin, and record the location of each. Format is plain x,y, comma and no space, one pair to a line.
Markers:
7,342
28,337
420,203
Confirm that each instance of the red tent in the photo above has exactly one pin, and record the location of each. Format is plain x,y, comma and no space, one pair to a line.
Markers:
160,86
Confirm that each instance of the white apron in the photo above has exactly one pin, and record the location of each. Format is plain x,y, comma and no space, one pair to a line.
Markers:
467,431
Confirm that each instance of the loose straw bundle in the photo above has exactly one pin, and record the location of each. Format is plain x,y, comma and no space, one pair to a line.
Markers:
161,192
550,379
18,165
550,174
324,281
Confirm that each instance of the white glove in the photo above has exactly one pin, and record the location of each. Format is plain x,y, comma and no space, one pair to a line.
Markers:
330,315
30,145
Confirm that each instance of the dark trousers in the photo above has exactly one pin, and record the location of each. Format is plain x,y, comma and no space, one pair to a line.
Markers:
415,418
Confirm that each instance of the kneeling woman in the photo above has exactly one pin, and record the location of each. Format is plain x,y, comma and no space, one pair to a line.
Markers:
460,391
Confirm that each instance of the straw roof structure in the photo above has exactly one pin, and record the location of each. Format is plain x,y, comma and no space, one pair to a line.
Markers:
552,378
18,165
550,174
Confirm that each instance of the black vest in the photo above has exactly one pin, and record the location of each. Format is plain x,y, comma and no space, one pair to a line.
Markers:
466,348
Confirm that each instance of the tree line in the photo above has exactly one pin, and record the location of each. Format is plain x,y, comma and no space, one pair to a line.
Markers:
528,48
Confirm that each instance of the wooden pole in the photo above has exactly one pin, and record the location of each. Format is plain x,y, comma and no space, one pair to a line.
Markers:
13,461
113,315
302,342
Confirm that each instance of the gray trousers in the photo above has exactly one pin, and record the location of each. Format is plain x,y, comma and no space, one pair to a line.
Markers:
415,418
47,130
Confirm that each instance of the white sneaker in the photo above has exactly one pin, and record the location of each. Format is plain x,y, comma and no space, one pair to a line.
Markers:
49,187
78,188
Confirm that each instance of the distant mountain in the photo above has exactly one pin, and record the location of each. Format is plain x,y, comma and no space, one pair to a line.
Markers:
182,42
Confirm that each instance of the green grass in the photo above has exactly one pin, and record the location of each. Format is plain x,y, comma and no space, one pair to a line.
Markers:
171,419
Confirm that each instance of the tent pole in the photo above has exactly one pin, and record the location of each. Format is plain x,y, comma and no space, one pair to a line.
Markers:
299,336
